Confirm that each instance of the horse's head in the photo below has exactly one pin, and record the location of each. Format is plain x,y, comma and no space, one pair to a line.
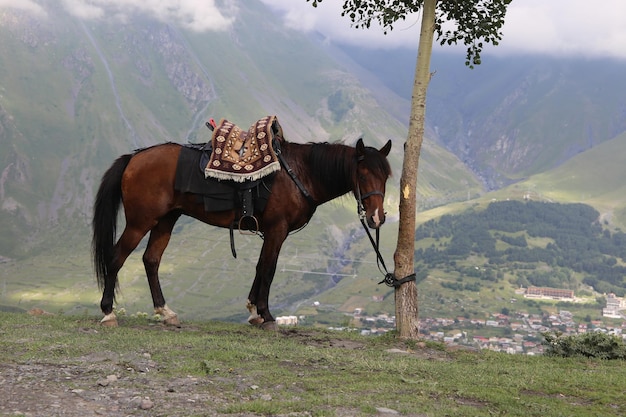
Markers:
371,176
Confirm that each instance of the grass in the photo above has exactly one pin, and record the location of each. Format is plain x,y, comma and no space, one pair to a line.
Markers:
326,373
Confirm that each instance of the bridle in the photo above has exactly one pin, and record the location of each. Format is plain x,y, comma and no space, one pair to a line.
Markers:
360,207
360,198
390,279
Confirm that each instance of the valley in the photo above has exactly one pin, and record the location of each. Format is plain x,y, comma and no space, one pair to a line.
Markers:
78,93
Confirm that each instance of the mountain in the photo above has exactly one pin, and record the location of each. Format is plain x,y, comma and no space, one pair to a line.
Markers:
77,93
512,117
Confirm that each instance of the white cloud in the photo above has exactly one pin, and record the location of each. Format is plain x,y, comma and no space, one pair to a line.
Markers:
27,5
198,15
326,19
555,27
566,27
83,9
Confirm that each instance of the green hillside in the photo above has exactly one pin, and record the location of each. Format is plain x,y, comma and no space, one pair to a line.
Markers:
75,94
592,178
199,276
475,260
100,88
595,177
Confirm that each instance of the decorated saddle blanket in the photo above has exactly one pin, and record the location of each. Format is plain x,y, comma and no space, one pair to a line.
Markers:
216,195
242,156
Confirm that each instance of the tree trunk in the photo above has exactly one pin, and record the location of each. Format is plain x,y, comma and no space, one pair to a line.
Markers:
406,294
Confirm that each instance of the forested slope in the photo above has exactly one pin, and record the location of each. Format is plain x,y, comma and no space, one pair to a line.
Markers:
541,244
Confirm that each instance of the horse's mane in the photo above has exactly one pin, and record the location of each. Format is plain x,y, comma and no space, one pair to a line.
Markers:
335,164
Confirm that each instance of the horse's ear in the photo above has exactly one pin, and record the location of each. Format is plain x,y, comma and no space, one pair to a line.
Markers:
385,149
360,147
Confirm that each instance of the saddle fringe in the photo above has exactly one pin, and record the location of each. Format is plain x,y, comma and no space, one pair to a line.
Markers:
243,177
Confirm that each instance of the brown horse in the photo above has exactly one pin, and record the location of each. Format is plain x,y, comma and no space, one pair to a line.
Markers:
143,182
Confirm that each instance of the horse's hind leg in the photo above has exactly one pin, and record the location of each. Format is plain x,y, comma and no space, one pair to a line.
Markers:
125,245
159,238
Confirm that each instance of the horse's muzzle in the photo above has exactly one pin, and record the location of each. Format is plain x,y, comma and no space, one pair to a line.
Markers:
376,219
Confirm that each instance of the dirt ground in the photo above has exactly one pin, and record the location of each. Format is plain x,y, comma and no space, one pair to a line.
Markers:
101,385
105,384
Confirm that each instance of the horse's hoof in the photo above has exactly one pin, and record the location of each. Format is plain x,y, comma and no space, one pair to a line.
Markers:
269,325
110,320
172,321
256,320
169,316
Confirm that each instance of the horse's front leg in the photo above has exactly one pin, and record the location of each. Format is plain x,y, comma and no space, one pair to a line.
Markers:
258,303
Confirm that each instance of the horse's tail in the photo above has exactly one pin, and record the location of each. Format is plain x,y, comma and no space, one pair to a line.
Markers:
104,223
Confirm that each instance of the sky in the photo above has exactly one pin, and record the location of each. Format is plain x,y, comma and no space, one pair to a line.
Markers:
554,27
197,15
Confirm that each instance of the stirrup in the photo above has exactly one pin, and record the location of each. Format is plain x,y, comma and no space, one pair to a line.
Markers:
250,231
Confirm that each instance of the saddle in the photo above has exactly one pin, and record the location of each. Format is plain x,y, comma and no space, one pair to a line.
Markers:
233,171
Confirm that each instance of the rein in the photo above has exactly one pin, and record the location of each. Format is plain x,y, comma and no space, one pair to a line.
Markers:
390,279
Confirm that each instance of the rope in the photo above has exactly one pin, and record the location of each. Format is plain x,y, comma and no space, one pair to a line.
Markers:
390,279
